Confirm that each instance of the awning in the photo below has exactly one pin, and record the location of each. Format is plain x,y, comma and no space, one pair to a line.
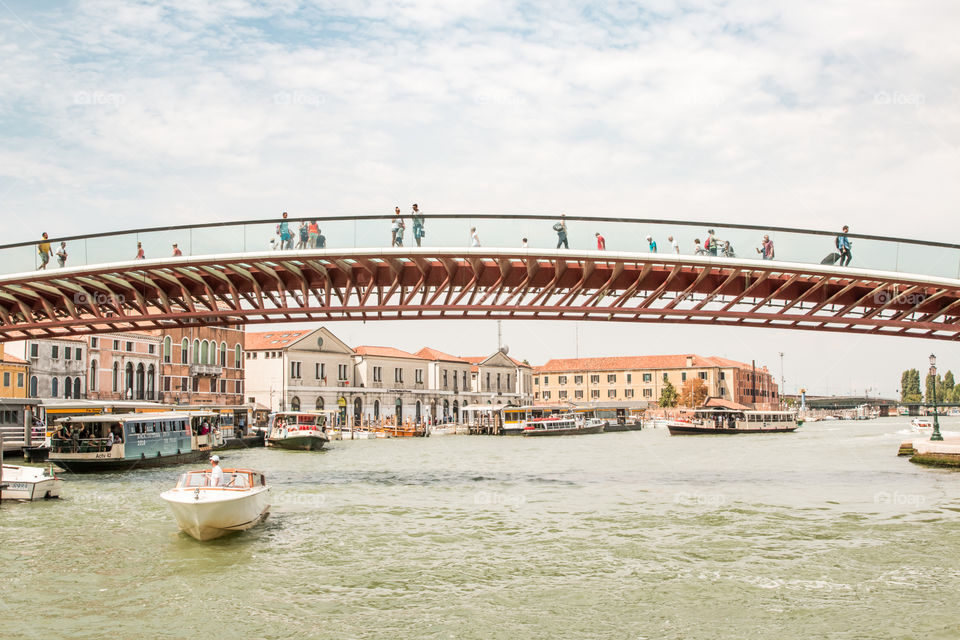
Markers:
483,407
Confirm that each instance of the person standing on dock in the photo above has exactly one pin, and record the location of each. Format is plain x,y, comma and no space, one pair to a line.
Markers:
418,231
44,249
601,242
844,247
561,229
216,473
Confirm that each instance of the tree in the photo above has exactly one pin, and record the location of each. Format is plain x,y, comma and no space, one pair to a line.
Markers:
930,389
910,387
668,396
949,384
694,393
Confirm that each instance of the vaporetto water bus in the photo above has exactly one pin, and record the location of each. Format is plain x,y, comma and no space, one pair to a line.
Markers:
300,430
733,421
515,419
565,425
85,444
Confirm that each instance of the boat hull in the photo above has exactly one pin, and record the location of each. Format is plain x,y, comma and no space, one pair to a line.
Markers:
613,426
685,430
28,483
299,443
208,520
573,431
97,465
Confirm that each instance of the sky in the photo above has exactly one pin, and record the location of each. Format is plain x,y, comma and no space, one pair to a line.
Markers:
122,115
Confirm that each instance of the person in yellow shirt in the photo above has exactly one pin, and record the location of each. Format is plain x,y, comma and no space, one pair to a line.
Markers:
44,249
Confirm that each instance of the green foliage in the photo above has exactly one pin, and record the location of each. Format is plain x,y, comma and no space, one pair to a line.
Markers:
668,396
949,384
910,387
933,392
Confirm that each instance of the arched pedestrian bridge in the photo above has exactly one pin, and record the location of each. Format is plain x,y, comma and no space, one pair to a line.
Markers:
230,273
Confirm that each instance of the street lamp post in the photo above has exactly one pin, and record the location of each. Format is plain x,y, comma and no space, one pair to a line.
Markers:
936,422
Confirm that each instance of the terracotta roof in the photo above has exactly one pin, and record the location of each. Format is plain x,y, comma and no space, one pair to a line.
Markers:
626,363
9,359
479,359
385,352
433,354
721,403
263,340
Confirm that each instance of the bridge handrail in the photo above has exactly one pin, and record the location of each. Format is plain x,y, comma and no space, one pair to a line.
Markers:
487,216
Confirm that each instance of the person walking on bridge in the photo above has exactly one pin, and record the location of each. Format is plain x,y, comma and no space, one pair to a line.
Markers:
313,233
176,251
474,238
418,231
286,236
62,255
395,225
140,254
651,244
561,229
44,250
844,247
766,248
601,242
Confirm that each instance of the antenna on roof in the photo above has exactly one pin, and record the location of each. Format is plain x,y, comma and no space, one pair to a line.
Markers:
499,335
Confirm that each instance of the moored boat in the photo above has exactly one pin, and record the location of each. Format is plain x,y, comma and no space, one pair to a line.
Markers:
729,421
298,430
563,425
239,500
921,425
29,483
84,444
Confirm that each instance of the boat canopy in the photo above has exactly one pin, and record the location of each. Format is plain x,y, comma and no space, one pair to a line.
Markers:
125,417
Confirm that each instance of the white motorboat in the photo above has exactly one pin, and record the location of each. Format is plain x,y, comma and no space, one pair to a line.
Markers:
921,425
29,483
240,501
301,430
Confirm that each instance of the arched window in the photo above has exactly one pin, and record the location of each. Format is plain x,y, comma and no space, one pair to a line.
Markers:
185,351
141,375
456,410
294,403
76,388
223,355
116,377
204,352
94,374
446,409
196,352
418,416
376,409
67,388
398,409
319,405
237,354
128,381
151,381
33,386
54,388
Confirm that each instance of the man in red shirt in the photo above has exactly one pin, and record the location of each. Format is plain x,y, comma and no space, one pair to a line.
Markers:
176,251
601,242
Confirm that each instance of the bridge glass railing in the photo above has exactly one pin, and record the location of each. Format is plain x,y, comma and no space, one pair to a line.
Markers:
496,232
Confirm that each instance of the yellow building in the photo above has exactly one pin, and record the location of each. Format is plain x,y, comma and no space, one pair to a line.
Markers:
642,378
13,376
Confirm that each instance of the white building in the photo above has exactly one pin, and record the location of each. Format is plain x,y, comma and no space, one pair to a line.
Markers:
58,366
313,369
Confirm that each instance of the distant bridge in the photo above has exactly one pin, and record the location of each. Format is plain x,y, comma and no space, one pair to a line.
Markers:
224,283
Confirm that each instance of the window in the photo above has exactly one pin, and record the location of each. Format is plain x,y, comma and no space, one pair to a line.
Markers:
546,380
20,380
151,348
223,355
167,348
33,386
418,376
378,374
562,395
320,371
562,380
577,379
498,382
295,403
723,376
130,346
488,380
648,393
185,351
77,354
444,378
595,379
237,351
546,395
683,376
703,375
398,374
196,352
6,378
55,353
67,353
629,378
611,393
664,377
204,352
34,350
196,385
536,379
223,386
116,376
464,385
611,377
93,375
648,377
116,345
94,342
628,393
578,394
54,388
594,393
295,370
341,372
508,382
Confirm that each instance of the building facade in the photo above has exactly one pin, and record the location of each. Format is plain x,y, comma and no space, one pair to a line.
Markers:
58,366
13,375
313,370
123,366
634,378
202,365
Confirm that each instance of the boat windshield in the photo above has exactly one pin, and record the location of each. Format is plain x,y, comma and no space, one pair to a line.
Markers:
199,479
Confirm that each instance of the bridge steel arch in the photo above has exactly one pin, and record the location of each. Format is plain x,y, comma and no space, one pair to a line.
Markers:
449,283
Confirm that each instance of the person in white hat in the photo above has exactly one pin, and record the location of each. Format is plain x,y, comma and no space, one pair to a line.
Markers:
216,473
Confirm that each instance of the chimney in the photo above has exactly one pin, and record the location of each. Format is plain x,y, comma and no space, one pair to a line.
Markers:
689,361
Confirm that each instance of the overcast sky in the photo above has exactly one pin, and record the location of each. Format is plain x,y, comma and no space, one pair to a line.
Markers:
117,115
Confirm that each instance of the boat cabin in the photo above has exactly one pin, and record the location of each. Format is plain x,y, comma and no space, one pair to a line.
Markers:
232,479
127,436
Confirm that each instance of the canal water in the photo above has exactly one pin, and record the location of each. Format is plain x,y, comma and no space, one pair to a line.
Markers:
824,533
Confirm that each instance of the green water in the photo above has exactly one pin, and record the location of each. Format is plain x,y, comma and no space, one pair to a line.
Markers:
824,533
